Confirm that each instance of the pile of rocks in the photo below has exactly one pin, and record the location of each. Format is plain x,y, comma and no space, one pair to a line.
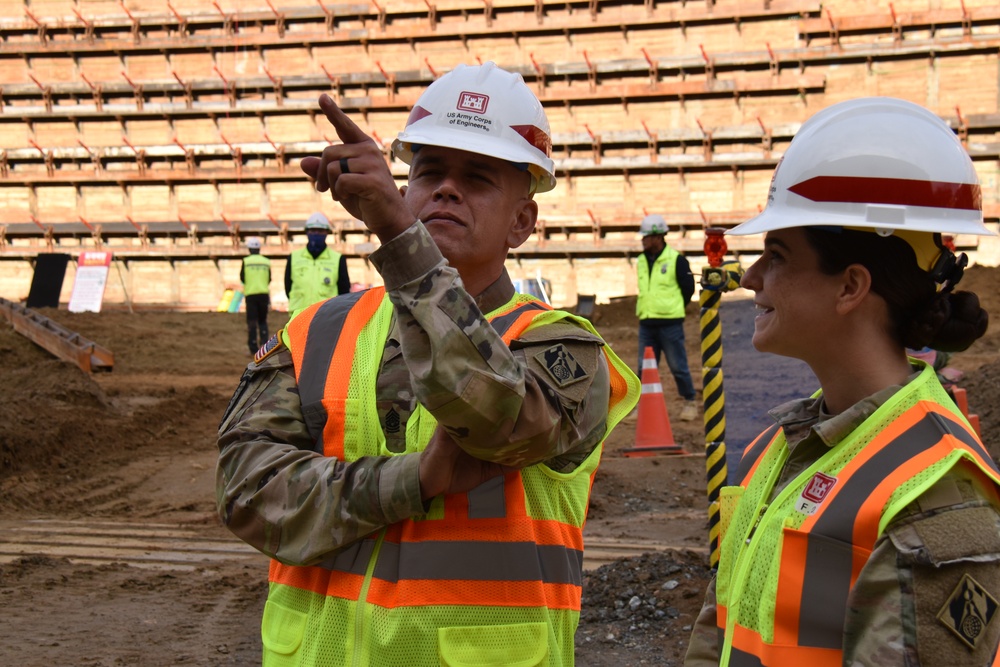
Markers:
645,606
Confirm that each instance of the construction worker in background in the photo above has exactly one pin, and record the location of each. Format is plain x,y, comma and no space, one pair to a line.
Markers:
255,274
666,285
417,459
315,272
863,528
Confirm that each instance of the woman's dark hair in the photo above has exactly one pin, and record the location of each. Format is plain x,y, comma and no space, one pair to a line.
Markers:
920,315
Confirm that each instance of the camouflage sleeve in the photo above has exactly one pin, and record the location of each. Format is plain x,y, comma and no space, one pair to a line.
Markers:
545,398
286,500
703,646
928,595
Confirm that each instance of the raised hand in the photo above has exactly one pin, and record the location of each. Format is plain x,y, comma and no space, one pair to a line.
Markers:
357,176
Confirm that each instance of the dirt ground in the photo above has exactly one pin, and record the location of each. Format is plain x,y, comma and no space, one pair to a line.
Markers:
93,465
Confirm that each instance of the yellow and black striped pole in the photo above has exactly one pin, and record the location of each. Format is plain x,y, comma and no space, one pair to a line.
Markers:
715,280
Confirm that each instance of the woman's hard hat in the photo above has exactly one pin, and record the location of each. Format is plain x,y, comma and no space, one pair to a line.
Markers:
878,164
486,110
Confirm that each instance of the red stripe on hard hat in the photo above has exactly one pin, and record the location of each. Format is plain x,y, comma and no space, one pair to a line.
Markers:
897,191
416,114
534,136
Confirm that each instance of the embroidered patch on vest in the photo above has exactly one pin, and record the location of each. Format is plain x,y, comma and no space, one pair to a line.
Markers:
266,349
968,611
392,421
561,365
814,493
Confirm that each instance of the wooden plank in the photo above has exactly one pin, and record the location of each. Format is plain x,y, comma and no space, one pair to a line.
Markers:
102,204
195,202
56,339
149,203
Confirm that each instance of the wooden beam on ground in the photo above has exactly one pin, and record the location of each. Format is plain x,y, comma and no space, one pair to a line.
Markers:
61,342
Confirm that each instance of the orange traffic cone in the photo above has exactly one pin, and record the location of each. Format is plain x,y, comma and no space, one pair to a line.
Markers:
653,434
962,401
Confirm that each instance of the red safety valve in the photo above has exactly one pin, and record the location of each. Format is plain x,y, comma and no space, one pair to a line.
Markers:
715,245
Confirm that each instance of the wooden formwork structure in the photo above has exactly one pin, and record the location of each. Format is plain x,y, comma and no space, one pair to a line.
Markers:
172,128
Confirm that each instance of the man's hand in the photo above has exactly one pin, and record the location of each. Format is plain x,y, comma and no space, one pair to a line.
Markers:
366,188
446,468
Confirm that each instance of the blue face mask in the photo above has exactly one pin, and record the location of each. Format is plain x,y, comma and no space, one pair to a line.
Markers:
315,243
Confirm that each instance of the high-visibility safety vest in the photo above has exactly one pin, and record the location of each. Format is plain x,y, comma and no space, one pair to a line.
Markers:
787,566
313,279
659,294
488,577
256,275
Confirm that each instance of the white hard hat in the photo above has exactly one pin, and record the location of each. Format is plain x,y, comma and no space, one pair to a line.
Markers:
652,224
318,221
877,164
486,110
253,243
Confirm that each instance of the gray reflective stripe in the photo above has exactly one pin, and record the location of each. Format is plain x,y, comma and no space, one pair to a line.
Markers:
504,322
353,559
487,501
738,658
754,452
828,567
837,520
324,332
828,575
479,561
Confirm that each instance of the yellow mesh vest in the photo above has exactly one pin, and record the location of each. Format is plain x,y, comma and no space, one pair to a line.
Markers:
302,627
747,580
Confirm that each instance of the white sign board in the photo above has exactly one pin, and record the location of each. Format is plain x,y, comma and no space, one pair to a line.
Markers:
91,278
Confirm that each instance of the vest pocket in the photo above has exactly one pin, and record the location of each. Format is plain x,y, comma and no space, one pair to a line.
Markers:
521,645
281,633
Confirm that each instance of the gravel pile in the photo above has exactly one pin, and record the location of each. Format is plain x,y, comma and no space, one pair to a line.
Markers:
644,606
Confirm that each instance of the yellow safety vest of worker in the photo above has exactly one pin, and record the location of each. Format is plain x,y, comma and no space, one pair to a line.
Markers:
787,566
492,576
256,275
659,294
313,279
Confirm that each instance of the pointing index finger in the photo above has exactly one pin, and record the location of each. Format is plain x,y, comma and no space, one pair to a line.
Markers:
346,128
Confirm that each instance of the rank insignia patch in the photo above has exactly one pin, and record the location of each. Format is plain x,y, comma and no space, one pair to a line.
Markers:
392,421
968,611
561,365
266,349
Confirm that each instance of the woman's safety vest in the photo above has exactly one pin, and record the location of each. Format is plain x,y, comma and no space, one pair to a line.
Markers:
492,576
659,294
788,566
313,279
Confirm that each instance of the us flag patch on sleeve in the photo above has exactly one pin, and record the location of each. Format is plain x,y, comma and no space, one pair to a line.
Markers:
270,346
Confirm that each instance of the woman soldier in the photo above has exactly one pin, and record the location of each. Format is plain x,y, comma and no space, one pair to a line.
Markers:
863,529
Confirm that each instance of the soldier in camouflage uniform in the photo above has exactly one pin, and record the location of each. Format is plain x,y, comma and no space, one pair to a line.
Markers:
864,526
537,408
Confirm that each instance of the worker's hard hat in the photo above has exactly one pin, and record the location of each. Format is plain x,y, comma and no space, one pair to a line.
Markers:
874,164
652,224
318,221
253,243
486,110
